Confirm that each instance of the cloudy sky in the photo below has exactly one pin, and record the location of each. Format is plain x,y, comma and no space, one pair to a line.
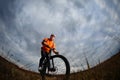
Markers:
83,28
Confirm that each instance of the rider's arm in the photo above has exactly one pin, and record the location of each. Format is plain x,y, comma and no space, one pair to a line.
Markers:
54,49
56,52
44,43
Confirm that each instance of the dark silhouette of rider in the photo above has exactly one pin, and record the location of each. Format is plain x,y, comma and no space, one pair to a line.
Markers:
48,45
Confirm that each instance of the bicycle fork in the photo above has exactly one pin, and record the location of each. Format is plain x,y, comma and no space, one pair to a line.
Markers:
52,67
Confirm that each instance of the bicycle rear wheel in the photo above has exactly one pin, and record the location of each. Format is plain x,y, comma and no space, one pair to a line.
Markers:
62,68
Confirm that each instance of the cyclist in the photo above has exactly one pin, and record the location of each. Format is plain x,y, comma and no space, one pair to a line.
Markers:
48,45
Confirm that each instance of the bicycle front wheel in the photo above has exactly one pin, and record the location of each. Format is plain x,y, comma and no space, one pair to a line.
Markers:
62,67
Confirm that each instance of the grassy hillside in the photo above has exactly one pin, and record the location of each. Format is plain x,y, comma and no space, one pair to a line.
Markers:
108,70
9,71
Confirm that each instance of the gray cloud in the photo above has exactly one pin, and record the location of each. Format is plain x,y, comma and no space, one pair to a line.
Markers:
83,28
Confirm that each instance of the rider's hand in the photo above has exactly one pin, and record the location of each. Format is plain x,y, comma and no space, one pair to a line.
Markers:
57,53
47,45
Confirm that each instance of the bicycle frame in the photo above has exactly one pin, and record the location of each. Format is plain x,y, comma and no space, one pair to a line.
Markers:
47,64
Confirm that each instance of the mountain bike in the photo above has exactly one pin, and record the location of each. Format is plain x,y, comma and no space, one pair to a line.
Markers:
57,66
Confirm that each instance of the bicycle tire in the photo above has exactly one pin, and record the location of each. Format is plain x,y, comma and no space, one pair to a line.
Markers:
67,66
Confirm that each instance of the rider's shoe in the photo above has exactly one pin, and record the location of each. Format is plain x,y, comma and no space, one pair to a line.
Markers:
40,68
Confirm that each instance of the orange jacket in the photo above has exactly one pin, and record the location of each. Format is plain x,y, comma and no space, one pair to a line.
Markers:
48,42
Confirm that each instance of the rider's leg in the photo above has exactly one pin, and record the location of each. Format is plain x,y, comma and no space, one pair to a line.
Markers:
48,60
42,58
